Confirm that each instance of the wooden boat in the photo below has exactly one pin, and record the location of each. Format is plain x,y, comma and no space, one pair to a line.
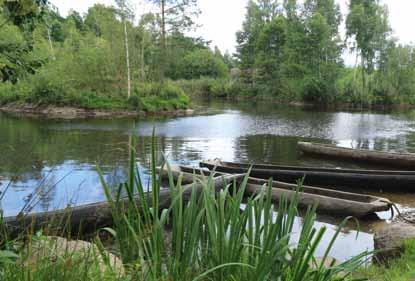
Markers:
362,155
328,201
396,181
88,218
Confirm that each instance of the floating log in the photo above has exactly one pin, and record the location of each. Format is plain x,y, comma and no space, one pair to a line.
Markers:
395,181
88,218
362,155
328,201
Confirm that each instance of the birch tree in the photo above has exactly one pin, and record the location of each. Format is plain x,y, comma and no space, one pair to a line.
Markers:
125,15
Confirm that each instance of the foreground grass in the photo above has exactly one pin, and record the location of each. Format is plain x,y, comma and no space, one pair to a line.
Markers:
402,269
202,234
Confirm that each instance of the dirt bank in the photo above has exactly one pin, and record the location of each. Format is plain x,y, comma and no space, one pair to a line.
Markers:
68,113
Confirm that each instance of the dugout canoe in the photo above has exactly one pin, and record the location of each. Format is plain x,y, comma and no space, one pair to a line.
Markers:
389,159
328,201
380,180
86,219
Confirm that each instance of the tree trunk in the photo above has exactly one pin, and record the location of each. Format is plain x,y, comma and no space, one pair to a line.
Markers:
127,58
142,71
163,24
363,84
50,43
163,39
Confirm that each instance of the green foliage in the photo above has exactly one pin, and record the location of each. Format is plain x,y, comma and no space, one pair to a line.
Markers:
402,269
367,22
150,97
39,258
270,52
203,63
209,87
291,53
83,63
159,96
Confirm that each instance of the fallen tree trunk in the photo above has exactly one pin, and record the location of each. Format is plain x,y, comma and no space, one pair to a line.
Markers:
88,218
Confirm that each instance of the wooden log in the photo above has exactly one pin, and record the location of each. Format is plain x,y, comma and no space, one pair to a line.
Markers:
406,160
88,218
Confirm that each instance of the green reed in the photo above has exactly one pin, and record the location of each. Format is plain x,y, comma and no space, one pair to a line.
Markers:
210,234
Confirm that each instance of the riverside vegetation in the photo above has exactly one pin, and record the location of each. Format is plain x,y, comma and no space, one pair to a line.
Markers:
287,51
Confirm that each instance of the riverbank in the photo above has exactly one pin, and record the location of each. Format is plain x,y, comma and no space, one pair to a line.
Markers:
400,269
70,112
234,90
151,99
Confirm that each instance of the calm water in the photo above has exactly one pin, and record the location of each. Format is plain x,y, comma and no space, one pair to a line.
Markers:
57,160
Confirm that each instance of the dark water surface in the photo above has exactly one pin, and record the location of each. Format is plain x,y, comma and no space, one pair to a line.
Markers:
56,160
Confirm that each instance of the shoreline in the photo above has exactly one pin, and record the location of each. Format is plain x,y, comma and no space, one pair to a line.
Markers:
71,113
301,104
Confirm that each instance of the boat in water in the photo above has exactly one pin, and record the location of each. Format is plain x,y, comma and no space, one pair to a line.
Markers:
380,180
389,159
328,201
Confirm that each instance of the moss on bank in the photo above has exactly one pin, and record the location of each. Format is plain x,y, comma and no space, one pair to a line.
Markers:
402,269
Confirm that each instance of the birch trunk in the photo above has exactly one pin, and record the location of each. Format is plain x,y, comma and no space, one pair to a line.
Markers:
127,58
50,43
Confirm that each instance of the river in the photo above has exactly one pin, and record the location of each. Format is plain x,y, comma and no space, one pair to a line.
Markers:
57,160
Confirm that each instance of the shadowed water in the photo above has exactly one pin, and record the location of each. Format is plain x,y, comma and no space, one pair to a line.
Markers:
57,160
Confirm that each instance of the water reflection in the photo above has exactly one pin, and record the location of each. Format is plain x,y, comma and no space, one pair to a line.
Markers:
67,152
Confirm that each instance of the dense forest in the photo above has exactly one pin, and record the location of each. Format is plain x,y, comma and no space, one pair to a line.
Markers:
294,51
288,51
103,59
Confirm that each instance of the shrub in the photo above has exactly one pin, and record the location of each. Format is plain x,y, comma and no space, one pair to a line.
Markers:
315,90
8,93
203,63
159,96
209,87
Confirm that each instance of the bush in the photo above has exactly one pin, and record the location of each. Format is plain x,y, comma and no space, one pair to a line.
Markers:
315,90
203,63
45,91
8,93
159,96
213,87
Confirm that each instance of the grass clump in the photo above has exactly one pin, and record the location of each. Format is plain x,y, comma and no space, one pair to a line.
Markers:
402,269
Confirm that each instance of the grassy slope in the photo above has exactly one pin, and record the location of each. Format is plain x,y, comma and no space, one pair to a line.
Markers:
402,269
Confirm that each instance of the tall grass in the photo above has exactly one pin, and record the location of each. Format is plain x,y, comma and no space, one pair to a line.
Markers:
216,235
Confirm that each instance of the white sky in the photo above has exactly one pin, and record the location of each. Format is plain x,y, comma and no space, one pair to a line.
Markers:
220,19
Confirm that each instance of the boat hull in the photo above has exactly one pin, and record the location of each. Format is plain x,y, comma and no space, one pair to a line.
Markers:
329,178
399,160
328,201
